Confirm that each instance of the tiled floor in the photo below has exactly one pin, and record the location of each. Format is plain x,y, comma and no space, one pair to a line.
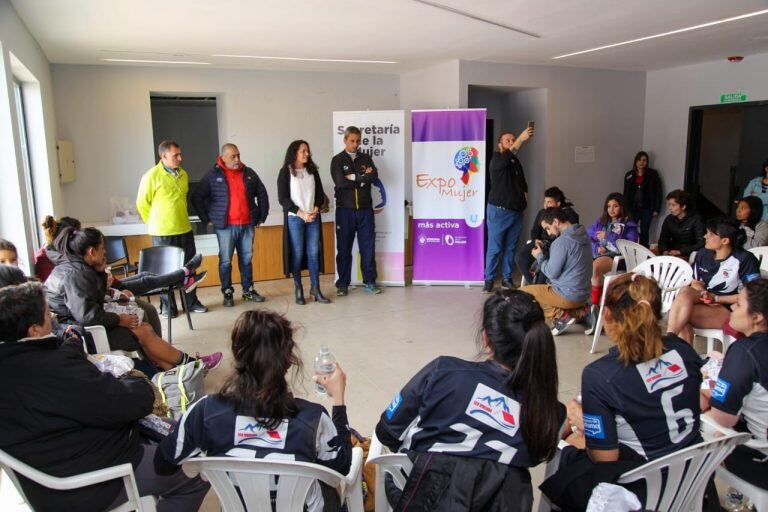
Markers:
380,340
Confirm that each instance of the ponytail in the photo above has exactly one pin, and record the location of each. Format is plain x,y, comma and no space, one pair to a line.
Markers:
516,332
634,302
76,242
52,227
535,376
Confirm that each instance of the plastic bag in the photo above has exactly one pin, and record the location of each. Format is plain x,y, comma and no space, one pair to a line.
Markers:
110,363
124,211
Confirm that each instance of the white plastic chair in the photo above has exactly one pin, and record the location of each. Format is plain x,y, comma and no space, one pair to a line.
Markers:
757,495
713,335
254,476
670,272
688,472
761,253
101,342
633,253
12,466
398,465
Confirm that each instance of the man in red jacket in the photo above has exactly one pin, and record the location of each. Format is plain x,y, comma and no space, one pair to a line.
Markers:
232,197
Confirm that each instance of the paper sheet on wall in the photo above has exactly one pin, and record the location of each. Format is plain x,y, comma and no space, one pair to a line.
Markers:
584,154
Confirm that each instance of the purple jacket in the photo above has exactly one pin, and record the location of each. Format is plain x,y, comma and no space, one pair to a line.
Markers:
624,229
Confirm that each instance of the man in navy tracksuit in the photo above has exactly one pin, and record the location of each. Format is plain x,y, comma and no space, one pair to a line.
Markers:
353,173
232,197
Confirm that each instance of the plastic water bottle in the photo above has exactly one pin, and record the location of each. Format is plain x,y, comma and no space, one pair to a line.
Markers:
734,501
325,364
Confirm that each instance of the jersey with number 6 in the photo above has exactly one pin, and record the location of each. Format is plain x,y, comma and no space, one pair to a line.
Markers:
651,407
459,407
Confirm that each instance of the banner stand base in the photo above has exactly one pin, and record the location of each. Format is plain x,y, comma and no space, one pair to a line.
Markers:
465,284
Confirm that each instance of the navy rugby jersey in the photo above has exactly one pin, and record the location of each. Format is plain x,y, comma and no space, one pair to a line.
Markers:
651,407
742,385
211,427
459,407
725,277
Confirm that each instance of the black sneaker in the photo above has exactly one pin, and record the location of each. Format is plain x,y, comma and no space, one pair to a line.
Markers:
507,284
191,282
591,319
229,299
559,325
342,292
488,287
164,312
253,296
198,308
194,262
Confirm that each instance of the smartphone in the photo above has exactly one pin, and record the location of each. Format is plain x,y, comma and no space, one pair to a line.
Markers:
530,124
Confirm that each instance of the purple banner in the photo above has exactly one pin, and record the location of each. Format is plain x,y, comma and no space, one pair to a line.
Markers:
449,247
448,125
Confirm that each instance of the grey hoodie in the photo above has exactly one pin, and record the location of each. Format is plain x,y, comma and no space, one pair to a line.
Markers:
569,265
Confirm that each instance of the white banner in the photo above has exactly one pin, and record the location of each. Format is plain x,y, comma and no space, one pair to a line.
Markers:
383,138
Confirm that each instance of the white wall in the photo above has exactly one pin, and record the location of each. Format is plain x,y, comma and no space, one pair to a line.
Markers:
584,107
433,87
671,92
105,111
21,56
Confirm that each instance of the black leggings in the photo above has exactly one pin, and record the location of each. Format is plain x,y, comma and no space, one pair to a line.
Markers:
145,282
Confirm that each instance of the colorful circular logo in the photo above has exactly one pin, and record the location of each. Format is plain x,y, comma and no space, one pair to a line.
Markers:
467,161
379,196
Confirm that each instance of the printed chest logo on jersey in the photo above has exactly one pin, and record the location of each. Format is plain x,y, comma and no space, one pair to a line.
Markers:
249,432
663,372
498,411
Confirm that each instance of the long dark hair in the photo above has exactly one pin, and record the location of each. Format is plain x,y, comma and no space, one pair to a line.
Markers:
638,156
763,169
619,198
290,157
76,242
264,352
514,325
755,210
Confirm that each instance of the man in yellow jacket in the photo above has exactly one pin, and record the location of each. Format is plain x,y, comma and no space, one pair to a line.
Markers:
162,204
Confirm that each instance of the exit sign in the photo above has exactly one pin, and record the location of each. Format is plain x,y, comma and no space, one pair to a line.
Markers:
733,97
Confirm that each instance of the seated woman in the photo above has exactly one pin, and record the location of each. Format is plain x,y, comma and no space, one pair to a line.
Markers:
255,414
682,231
500,415
614,224
642,398
51,228
739,398
719,271
749,213
76,289
8,253
553,198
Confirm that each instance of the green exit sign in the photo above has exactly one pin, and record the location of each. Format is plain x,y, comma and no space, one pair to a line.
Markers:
733,97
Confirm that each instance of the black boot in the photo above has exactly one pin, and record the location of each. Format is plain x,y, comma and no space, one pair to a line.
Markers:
316,294
300,295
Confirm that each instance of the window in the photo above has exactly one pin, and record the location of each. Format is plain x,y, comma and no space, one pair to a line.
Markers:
28,189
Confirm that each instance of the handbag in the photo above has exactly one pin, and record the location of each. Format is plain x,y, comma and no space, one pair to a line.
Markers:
180,387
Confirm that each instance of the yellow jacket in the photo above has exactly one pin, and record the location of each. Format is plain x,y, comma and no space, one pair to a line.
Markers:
162,201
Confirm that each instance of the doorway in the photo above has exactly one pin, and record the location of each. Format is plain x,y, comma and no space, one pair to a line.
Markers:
726,149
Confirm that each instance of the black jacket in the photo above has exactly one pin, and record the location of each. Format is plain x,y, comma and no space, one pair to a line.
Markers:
353,194
439,481
75,290
645,197
685,235
61,415
211,197
284,197
508,185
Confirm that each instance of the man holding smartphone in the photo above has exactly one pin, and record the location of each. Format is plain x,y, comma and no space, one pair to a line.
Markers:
507,200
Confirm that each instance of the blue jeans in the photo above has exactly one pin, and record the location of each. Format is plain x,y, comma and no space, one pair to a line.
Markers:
305,237
238,237
503,231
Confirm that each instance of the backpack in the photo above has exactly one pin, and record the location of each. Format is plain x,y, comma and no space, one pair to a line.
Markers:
180,387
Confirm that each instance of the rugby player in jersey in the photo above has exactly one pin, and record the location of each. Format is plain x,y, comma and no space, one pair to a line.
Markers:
720,270
255,414
642,395
739,398
502,410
